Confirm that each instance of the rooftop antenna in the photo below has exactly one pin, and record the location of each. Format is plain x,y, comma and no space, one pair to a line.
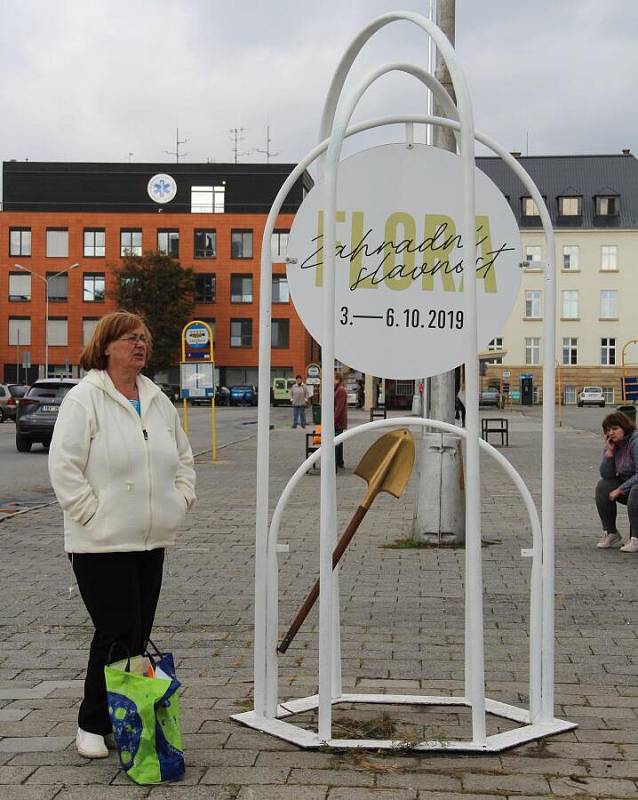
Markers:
237,136
267,151
130,157
176,152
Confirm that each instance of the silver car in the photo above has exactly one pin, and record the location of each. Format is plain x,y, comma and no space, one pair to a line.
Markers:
591,396
9,395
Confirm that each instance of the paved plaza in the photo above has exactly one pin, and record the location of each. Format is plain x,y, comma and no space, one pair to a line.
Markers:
402,632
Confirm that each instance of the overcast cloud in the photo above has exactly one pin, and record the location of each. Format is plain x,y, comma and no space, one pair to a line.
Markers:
97,80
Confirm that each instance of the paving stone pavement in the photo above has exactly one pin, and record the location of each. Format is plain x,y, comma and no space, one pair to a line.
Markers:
402,631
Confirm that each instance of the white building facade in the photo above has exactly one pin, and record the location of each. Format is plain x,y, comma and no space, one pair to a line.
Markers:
593,202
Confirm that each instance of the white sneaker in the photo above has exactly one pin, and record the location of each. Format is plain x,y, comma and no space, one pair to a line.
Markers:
631,546
609,540
90,745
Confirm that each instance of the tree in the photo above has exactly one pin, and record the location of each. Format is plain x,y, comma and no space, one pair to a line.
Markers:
158,288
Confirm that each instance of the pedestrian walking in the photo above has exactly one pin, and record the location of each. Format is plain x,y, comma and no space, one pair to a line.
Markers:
122,470
299,397
618,481
341,417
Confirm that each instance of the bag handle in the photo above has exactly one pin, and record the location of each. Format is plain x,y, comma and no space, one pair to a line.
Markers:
157,652
109,657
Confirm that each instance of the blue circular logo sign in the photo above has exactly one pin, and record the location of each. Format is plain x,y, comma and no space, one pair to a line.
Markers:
162,188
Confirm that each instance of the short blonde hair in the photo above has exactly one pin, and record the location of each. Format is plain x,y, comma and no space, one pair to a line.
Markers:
111,327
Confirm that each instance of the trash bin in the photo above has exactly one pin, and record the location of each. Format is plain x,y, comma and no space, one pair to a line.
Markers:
316,414
628,411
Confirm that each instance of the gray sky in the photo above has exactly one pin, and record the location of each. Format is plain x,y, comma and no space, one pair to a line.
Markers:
95,80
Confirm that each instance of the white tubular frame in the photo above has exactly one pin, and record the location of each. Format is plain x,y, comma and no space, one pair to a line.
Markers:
539,720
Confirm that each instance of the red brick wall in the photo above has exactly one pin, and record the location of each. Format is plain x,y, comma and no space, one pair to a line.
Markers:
296,356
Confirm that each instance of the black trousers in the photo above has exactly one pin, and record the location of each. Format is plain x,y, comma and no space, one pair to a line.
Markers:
339,450
120,592
607,508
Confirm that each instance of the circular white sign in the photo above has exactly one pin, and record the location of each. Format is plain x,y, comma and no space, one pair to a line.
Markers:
399,310
162,188
314,371
197,336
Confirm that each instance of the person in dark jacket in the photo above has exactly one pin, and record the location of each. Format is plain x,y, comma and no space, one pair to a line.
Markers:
341,417
618,481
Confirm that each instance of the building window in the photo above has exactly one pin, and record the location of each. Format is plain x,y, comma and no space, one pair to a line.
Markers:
241,288
495,345
608,393
279,245
608,351
207,199
533,254
609,303
533,304
57,243
19,241
19,287
570,206
205,285
19,331
210,321
88,326
569,395
168,242
532,350
607,206
280,291
241,333
130,243
570,257
570,350
241,244
570,304
529,207
94,243
57,331
58,287
609,258
93,287
280,333
205,243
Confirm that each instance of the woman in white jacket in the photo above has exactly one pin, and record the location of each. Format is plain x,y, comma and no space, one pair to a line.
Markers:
122,470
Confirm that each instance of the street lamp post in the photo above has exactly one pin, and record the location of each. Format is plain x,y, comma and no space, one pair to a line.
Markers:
46,280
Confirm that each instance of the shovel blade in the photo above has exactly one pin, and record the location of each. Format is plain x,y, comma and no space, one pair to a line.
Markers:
387,464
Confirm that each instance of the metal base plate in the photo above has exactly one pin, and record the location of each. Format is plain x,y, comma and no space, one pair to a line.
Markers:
528,731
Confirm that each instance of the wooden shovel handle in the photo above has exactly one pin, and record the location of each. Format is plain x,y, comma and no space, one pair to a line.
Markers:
311,599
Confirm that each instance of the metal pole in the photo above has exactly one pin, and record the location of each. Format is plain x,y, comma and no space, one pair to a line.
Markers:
46,329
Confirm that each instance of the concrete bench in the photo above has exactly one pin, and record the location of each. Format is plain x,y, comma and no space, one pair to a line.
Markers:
497,426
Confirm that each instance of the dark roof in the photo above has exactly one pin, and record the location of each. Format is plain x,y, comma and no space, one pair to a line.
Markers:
559,176
91,186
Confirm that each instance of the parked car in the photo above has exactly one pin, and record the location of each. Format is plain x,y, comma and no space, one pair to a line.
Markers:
280,392
243,395
38,411
490,397
10,393
591,396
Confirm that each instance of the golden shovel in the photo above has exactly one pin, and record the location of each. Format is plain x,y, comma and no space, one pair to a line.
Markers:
386,466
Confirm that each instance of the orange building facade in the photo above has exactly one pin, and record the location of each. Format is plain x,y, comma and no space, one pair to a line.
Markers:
65,227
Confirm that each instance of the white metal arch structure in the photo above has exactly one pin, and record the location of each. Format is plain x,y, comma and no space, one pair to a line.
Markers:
266,709
533,726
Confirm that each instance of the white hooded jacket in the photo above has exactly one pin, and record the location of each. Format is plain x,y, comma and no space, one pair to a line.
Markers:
124,481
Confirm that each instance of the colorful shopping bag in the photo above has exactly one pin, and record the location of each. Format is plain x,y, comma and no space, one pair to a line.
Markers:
144,709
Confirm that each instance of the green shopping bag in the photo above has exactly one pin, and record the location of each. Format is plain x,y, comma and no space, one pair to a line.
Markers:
144,709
